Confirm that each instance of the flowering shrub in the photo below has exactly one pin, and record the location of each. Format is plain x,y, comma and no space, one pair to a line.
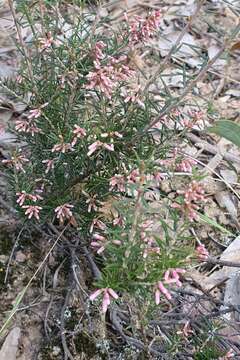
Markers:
87,162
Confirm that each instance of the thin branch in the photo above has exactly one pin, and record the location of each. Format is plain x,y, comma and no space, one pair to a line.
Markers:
174,47
202,73
22,43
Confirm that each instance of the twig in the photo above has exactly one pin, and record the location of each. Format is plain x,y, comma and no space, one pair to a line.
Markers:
12,253
95,270
174,47
211,148
214,261
202,73
22,43
23,292
134,342
67,353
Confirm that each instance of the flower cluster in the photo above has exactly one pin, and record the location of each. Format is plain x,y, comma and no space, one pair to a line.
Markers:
186,165
150,245
171,276
108,293
106,78
194,193
141,30
202,252
17,161
64,212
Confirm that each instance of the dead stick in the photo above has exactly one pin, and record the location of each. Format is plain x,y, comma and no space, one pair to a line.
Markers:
211,148
202,73
174,47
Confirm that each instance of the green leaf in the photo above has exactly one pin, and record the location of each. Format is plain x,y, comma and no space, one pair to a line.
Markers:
227,129
207,220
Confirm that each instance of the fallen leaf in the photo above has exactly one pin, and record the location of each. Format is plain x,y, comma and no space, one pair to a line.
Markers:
10,345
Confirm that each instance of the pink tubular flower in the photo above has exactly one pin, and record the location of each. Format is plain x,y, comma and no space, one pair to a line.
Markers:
202,253
107,78
99,243
100,80
108,293
186,331
98,224
98,144
62,146
134,176
17,161
79,133
118,181
97,51
141,30
192,194
49,165
64,212
160,289
172,276
34,114
32,211
27,127
47,42
23,196
229,355
132,95
186,165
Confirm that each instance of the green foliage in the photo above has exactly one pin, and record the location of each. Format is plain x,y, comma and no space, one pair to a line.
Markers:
228,130
79,169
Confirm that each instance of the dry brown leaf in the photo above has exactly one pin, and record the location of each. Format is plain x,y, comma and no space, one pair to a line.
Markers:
10,345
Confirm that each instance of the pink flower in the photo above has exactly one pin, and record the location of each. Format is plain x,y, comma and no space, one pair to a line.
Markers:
229,355
118,181
186,331
134,176
50,165
32,211
160,289
119,221
23,196
98,144
100,80
97,51
27,127
91,201
186,165
202,252
99,243
108,293
64,212
172,276
47,42
98,224
17,161
194,193
107,78
34,114
132,95
62,146
79,133
141,30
